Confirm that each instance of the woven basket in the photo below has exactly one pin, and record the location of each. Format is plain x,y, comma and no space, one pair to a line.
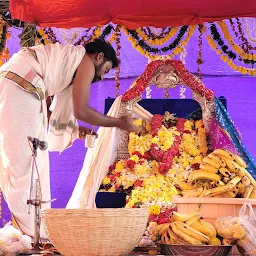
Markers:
91,232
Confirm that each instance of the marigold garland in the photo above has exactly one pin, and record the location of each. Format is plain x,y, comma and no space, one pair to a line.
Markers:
201,29
118,47
229,61
176,45
4,35
241,52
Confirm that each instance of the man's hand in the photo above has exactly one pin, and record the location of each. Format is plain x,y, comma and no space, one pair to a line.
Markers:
85,130
125,123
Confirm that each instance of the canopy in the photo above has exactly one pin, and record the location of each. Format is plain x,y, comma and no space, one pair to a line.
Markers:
132,13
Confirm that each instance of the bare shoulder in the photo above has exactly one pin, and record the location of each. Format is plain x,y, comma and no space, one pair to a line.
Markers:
87,64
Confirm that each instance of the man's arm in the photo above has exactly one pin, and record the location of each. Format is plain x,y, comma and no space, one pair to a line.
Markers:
81,95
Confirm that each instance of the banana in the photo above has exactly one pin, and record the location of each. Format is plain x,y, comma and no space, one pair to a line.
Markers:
162,228
231,194
205,228
175,216
235,181
232,166
253,182
223,195
246,181
184,236
203,193
215,241
241,188
241,172
203,175
183,185
170,237
223,153
248,191
192,193
253,194
239,160
219,190
208,168
193,220
216,158
225,172
192,232
226,179
208,160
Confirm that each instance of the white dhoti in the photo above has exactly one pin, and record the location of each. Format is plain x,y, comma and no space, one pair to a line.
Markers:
21,116
25,82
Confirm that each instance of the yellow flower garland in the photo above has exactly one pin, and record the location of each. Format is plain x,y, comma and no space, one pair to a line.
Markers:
225,58
176,51
157,41
235,47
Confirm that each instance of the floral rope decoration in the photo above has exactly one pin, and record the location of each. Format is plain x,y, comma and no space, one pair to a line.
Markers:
243,53
240,34
200,61
118,47
146,50
229,61
4,35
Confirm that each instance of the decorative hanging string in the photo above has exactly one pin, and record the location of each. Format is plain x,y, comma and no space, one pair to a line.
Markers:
228,60
28,35
247,57
150,52
118,47
200,61
4,35
183,55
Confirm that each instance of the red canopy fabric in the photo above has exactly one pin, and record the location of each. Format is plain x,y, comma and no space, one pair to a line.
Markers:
130,13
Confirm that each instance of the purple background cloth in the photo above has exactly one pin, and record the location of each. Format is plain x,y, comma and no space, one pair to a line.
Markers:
239,90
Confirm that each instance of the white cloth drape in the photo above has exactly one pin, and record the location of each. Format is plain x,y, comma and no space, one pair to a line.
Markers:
98,159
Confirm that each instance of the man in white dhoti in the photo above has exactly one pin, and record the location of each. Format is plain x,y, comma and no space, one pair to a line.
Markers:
26,81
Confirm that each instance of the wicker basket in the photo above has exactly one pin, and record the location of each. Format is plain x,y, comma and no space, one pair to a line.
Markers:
91,232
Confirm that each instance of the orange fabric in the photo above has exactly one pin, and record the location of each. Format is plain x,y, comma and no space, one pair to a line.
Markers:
132,13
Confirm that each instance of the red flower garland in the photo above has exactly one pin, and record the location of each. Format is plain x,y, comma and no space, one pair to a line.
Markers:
189,79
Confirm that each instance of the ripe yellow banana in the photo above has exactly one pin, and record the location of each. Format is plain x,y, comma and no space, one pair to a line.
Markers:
205,228
192,193
215,241
208,168
184,236
162,228
239,160
203,193
192,232
253,182
253,194
204,175
224,171
232,166
175,216
169,237
223,153
235,181
231,194
218,159
193,220
190,177
241,188
183,185
248,191
208,160
219,190
246,181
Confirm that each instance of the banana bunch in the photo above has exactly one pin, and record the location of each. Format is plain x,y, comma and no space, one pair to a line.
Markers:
188,229
221,174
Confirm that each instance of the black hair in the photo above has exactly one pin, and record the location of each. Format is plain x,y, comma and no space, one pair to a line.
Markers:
99,45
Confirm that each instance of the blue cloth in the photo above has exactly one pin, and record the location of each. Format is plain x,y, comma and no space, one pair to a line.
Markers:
225,121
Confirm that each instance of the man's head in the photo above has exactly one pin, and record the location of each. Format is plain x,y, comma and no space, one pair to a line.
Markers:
103,56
